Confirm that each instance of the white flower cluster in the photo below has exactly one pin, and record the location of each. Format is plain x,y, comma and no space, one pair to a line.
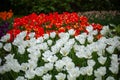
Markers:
114,67
54,52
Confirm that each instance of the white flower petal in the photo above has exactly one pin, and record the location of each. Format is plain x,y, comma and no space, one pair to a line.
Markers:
7,47
5,38
102,60
47,77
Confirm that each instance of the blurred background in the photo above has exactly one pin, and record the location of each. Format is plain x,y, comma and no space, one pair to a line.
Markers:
24,7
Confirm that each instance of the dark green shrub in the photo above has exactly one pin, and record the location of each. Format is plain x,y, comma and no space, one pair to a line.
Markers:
45,6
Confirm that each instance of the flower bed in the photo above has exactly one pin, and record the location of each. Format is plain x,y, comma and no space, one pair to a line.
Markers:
58,47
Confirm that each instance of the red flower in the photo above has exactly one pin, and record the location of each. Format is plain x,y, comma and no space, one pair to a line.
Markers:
83,19
53,22
39,31
61,29
77,32
97,26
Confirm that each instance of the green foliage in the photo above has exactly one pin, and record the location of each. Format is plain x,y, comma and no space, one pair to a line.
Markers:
116,30
105,19
46,6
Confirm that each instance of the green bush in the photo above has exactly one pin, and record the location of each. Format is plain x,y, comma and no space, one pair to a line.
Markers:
46,6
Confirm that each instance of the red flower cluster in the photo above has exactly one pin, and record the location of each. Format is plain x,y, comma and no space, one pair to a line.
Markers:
46,23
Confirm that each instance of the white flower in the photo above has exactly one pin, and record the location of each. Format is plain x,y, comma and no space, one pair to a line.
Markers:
7,47
20,78
48,55
31,35
83,71
84,52
49,66
55,49
15,66
70,77
66,59
80,54
100,52
24,66
60,76
32,64
70,42
64,35
69,65
71,31
47,77
17,41
81,38
110,49
103,39
21,49
9,57
12,63
114,57
98,78
1,45
105,30
61,42
52,58
52,34
35,55
46,36
110,78
25,43
94,47
21,35
74,72
101,46
44,46
59,65
39,71
2,70
30,74
94,32
100,72
5,38
32,42
89,70
31,49
114,68
39,40
89,28
5,68
88,53
65,51
91,63
102,60
76,47
49,42
90,38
